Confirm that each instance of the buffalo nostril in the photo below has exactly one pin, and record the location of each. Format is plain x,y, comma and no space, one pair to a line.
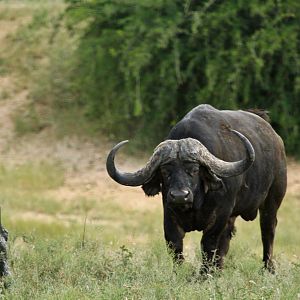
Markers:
185,193
173,195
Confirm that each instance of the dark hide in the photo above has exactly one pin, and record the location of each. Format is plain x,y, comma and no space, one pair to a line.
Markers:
4,270
216,202
260,112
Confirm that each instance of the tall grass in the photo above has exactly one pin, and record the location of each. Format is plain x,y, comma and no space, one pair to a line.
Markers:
124,255
62,269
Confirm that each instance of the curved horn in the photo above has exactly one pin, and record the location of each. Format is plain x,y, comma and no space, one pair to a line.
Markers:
229,169
136,178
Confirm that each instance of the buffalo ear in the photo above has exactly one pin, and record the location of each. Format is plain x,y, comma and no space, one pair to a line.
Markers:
153,186
211,182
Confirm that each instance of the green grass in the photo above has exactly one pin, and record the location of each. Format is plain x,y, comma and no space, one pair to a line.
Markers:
62,269
22,187
124,254
32,177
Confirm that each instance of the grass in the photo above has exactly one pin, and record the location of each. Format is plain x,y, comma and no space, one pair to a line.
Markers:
22,186
124,255
25,46
62,269
32,177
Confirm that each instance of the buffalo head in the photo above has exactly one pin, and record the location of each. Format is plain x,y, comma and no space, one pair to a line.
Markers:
181,169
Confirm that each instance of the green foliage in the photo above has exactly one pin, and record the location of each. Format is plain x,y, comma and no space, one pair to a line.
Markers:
143,64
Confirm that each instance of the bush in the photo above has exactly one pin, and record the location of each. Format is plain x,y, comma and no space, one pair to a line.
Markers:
143,64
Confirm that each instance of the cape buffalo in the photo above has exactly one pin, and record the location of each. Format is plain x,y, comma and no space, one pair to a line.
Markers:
214,166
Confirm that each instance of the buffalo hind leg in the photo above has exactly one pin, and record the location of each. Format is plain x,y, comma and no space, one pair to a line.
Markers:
268,222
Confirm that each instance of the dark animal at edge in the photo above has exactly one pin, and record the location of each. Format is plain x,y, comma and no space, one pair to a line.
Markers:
4,269
214,166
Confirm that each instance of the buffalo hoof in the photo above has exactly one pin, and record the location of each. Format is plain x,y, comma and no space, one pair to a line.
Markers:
270,266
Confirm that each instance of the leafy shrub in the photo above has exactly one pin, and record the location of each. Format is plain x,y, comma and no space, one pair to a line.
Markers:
143,64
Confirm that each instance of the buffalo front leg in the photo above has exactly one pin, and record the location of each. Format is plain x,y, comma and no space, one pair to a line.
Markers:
174,235
224,241
211,256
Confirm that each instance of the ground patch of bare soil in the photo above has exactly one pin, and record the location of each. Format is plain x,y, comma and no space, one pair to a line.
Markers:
293,177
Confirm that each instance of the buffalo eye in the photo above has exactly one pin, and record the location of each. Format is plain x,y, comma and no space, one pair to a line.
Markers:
192,170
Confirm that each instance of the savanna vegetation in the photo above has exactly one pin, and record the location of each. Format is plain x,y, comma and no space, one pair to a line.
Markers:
131,69
98,247
141,65
134,68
